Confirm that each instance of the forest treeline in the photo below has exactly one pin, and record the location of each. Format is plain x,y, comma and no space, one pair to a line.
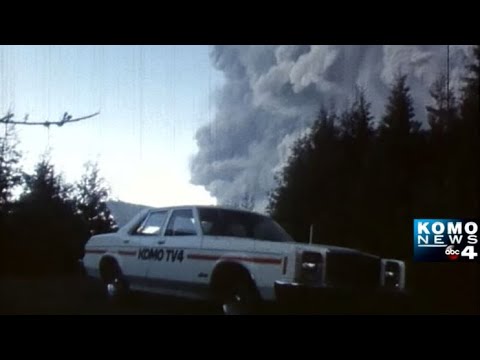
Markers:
44,227
361,181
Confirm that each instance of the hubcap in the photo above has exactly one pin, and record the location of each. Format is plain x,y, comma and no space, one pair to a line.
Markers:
114,287
234,306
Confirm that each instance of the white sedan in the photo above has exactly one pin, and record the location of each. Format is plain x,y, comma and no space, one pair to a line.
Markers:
236,258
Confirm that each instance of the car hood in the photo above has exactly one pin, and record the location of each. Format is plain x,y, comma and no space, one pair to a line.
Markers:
331,248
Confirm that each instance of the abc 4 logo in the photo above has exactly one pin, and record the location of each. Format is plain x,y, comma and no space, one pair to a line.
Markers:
454,254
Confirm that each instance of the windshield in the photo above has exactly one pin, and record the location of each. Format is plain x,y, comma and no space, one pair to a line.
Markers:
222,222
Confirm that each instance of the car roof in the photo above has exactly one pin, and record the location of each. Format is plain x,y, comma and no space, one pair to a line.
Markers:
217,207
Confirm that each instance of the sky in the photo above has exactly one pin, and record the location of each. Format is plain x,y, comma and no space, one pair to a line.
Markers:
152,100
199,124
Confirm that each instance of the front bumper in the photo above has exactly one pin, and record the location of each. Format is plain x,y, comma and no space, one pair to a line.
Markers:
303,296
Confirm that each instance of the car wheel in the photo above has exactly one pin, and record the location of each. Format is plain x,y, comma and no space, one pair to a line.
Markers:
240,298
115,284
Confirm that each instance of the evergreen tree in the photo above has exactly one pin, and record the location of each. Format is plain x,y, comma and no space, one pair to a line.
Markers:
91,200
356,124
397,162
10,177
398,123
356,139
45,230
306,186
10,172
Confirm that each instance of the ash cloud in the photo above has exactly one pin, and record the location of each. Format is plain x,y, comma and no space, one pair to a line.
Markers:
272,94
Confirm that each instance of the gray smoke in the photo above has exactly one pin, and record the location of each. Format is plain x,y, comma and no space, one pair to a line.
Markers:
272,94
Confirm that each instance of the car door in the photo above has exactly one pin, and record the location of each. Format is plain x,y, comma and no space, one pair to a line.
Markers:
138,241
173,272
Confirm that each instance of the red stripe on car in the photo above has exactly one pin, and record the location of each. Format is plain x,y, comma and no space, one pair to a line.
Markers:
256,260
128,253
202,257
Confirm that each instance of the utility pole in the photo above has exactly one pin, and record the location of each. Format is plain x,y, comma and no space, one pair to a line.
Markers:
448,81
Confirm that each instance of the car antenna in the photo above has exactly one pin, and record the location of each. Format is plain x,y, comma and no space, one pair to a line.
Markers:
311,235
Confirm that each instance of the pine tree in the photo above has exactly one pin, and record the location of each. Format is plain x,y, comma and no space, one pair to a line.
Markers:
10,172
398,123
45,228
356,124
291,198
44,186
397,162
306,185
91,198
356,138
10,177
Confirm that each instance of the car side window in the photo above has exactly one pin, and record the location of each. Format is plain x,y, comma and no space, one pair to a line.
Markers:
182,223
152,225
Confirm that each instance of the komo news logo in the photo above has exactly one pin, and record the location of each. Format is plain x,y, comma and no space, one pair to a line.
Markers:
445,240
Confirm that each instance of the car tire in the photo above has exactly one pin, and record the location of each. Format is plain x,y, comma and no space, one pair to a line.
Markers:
240,297
116,286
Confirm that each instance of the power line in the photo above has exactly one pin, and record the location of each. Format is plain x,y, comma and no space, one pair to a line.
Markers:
66,119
